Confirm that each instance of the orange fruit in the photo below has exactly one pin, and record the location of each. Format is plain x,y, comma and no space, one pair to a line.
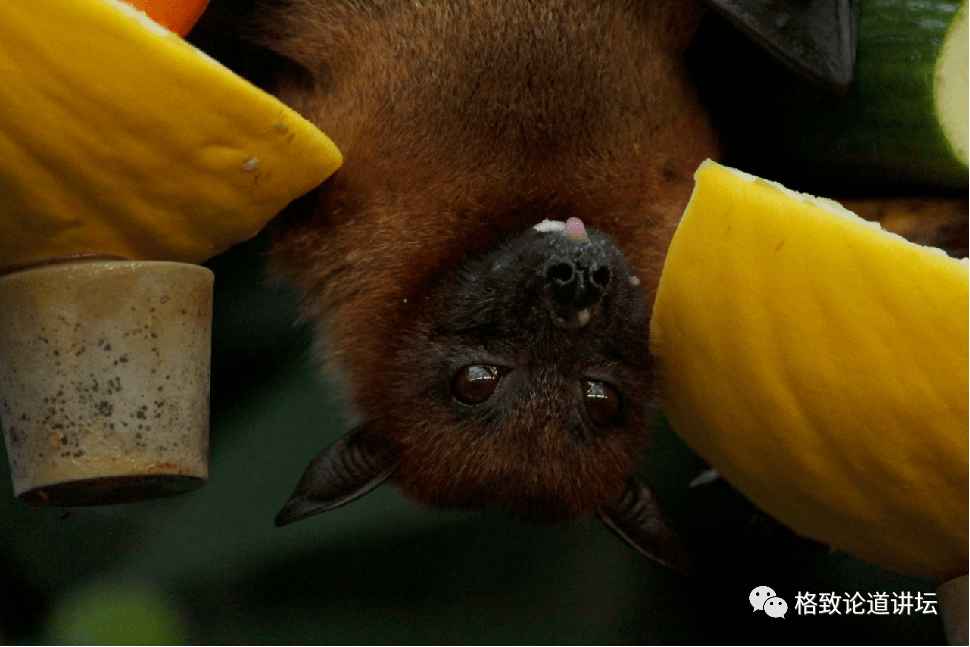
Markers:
177,15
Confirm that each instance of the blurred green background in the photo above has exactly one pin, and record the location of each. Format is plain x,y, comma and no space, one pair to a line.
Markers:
210,567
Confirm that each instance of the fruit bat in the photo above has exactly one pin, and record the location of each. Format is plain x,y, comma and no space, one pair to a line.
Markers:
480,271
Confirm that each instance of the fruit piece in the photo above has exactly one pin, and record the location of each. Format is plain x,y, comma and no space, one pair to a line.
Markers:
821,365
176,15
118,138
950,84
935,222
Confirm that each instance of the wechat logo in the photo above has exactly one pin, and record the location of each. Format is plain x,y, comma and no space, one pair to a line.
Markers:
763,598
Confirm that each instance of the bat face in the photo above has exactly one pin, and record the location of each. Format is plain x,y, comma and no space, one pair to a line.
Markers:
531,369
492,365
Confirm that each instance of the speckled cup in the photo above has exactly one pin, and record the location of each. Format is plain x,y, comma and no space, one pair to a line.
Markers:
104,380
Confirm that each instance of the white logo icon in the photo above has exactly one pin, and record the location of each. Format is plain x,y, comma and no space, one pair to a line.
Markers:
776,607
763,598
759,595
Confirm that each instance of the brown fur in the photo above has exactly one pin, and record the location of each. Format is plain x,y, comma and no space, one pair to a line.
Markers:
462,124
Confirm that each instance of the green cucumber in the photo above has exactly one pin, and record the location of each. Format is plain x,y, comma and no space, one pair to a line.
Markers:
950,84
887,131
887,137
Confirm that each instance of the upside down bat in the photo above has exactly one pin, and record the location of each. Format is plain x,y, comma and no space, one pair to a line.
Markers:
492,364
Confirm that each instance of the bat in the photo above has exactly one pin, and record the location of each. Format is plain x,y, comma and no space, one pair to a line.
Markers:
481,269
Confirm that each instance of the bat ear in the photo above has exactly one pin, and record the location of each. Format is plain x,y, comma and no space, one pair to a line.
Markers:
346,470
816,39
637,519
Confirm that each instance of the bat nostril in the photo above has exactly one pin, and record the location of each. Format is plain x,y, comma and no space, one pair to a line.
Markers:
560,272
601,277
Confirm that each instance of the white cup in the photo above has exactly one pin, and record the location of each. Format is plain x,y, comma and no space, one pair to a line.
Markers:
104,380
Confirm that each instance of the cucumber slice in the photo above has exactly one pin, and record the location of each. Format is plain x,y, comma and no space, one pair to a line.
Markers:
950,84
887,133
899,130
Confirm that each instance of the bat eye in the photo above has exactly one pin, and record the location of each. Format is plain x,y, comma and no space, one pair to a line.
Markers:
602,402
475,384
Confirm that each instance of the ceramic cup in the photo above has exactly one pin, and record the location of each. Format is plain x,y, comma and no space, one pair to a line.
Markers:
104,380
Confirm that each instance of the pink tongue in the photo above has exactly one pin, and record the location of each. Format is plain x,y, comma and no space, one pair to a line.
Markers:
575,231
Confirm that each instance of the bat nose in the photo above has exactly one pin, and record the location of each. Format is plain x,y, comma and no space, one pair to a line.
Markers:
575,287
